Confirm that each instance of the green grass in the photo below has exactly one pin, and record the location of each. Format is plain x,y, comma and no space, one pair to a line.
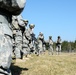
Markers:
64,64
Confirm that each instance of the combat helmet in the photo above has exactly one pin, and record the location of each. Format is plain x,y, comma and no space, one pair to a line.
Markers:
31,25
26,22
58,36
40,33
50,37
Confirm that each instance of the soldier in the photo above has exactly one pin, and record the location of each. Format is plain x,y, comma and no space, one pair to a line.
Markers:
58,45
14,27
7,9
40,43
28,40
20,28
33,43
30,30
50,45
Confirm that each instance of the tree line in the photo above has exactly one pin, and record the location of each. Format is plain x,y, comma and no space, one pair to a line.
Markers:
67,46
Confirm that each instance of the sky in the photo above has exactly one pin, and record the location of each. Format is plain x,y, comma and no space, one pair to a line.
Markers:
52,18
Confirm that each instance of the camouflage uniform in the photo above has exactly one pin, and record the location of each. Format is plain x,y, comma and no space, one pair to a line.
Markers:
26,40
18,43
15,27
58,45
6,12
50,45
19,35
31,43
44,48
5,48
35,45
16,33
40,43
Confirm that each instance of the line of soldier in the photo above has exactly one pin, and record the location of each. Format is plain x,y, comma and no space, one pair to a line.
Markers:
58,45
22,37
25,42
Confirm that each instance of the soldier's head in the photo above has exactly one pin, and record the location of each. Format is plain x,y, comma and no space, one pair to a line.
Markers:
41,33
26,22
58,37
50,37
31,26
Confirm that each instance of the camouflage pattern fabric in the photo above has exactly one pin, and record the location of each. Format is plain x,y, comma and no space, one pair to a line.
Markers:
18,44
5,51
58,45
26,41
44,48
50,46
7,9
40,43
14,7
25,46
30,32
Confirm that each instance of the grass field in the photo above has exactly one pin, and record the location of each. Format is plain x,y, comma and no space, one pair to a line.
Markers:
64,64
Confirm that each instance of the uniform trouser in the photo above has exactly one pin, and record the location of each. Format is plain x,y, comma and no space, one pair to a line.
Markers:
18,46
5,54
40,49
26,50
36,48
50,50
44,49
31,45
58,49
18,50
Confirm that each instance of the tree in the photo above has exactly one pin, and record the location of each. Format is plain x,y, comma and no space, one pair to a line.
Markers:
65,46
